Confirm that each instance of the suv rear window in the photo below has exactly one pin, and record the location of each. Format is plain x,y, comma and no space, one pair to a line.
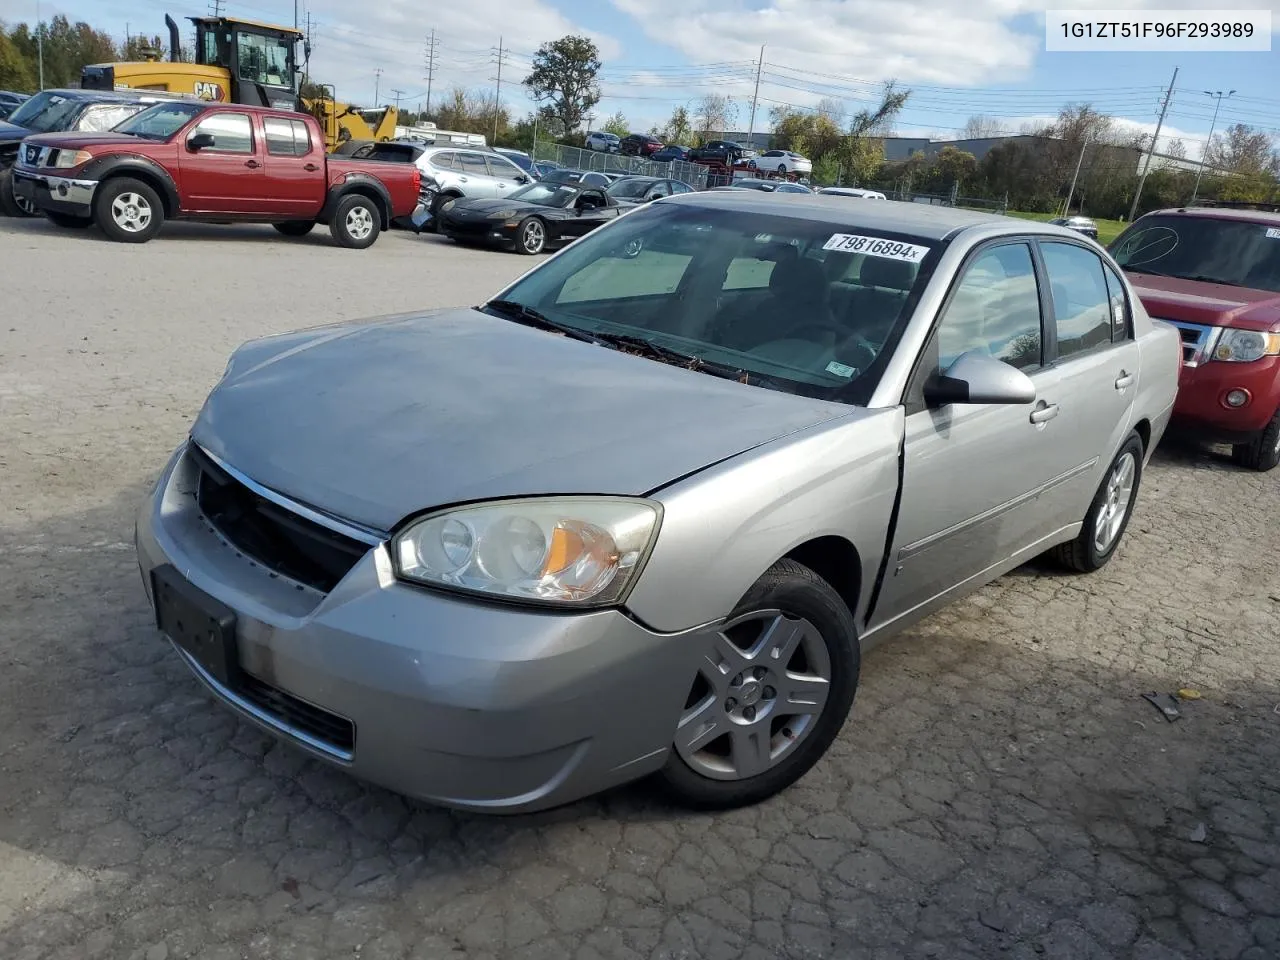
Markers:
1238,253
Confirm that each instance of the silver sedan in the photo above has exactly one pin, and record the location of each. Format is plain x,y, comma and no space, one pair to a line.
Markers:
644,511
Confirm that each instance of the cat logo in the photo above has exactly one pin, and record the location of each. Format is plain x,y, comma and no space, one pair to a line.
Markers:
208,91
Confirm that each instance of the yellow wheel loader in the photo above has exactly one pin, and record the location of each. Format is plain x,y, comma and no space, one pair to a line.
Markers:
243,61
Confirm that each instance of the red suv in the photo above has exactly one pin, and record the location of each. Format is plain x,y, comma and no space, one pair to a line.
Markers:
1214,273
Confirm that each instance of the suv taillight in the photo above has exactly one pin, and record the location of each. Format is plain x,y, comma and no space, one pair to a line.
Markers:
417,180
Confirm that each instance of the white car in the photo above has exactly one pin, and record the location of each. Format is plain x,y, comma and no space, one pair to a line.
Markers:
604,142
782,161
853,192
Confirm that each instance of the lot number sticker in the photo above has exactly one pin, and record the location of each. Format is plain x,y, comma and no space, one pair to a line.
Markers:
1273,233
876,247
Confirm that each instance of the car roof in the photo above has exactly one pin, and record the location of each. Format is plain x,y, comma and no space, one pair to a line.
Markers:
1242,214
925,220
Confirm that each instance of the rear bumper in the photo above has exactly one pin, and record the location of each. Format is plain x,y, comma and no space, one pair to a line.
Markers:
59,194
1201,410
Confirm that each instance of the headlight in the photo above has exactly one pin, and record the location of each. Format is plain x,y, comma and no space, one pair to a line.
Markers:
501,215
1245,346
67,160
579,551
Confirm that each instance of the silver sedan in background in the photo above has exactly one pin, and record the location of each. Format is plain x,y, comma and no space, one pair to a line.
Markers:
644,510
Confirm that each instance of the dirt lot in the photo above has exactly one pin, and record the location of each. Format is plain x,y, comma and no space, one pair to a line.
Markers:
1000,791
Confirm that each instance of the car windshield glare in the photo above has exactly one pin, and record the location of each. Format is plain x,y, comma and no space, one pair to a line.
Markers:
791,304
630,189
545,194
1237,253
45,112
161,121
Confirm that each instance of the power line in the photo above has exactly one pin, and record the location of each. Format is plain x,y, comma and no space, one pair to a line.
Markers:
497,91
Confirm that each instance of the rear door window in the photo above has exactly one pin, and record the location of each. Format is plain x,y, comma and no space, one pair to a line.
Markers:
285,137
1081,302
473,164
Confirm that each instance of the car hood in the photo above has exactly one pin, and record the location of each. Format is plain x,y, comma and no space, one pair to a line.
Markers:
80,140
11,132
1214,304
374,422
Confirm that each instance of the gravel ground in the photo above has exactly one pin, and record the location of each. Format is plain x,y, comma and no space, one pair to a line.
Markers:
1001,789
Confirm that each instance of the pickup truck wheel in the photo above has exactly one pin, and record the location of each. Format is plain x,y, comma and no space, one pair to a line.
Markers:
128,211
773,690
1263,453
295,228
11,205
356,222
531,236
1108,516
67,221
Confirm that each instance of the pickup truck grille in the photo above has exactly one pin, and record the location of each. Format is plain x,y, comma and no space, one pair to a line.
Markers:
1198,341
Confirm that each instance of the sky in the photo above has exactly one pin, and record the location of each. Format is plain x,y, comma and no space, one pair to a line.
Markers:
958,57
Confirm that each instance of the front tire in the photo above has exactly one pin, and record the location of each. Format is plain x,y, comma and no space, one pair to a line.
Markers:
1109,514
1263,452
295,228
771,694
128,210
531,236
68,221
356,222
10,204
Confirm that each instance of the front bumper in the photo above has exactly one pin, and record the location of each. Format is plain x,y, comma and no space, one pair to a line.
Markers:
495,232
59,194
1200,409
471,705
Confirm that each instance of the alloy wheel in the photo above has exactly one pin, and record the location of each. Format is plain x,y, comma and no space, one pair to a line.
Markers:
759,693
131,212
1115,507
534,236
359,223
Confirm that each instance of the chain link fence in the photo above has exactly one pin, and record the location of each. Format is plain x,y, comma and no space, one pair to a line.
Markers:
900,190
575,158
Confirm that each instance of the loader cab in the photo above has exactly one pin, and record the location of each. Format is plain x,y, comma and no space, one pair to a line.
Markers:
259,58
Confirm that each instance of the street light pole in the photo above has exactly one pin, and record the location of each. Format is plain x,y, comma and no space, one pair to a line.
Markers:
1218,97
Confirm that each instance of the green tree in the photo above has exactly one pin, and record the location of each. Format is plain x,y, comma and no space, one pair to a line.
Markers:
564,79
16,71
139,48
617,125
678,129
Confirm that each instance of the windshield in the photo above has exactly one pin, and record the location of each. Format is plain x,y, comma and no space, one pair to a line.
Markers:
631,189
46,112
790,304
265,59
161,121
545,194
1234,252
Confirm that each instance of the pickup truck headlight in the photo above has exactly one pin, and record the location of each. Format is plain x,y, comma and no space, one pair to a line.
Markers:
563,551
68,159
1245,346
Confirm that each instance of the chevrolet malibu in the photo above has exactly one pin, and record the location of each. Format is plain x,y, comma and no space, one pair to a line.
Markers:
644,510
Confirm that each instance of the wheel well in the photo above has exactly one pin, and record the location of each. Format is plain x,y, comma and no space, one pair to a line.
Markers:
371,194
836,561
151,180
1143,429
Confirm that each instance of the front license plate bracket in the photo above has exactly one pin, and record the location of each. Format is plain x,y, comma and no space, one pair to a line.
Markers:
203,626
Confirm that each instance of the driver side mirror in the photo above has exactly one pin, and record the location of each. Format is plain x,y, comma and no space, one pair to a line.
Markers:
979,378
523,178
200,141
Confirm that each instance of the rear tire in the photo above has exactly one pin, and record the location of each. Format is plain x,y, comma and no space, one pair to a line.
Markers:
128,210
67,221
1104,525
1263,452
10,205
746,696
356,222
295,228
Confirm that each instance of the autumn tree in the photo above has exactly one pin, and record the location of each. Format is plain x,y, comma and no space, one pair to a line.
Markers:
982,127
713,114
564,78
1243,151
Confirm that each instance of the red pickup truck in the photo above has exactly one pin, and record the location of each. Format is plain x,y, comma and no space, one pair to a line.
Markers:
215,162
1214,273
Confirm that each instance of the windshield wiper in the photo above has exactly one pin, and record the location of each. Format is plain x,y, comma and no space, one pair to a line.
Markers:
657,351
527,315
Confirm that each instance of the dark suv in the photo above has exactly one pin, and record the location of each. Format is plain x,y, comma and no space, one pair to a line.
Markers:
640,145
56,111
718,151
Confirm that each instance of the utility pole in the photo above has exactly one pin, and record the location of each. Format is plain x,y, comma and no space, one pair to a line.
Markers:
217,7
1066,210
306,49
497,95
430,64
377,84
397,95
1218,97
755,97
1146,167
295,14
40,43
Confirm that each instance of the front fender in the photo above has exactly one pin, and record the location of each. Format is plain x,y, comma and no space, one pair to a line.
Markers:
100,168
725,526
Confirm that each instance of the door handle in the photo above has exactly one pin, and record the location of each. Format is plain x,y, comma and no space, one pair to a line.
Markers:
310,167
1124,380
251,163
462,179
1045,413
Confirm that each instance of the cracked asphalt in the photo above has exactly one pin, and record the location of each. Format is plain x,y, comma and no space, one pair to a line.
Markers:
1001,789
